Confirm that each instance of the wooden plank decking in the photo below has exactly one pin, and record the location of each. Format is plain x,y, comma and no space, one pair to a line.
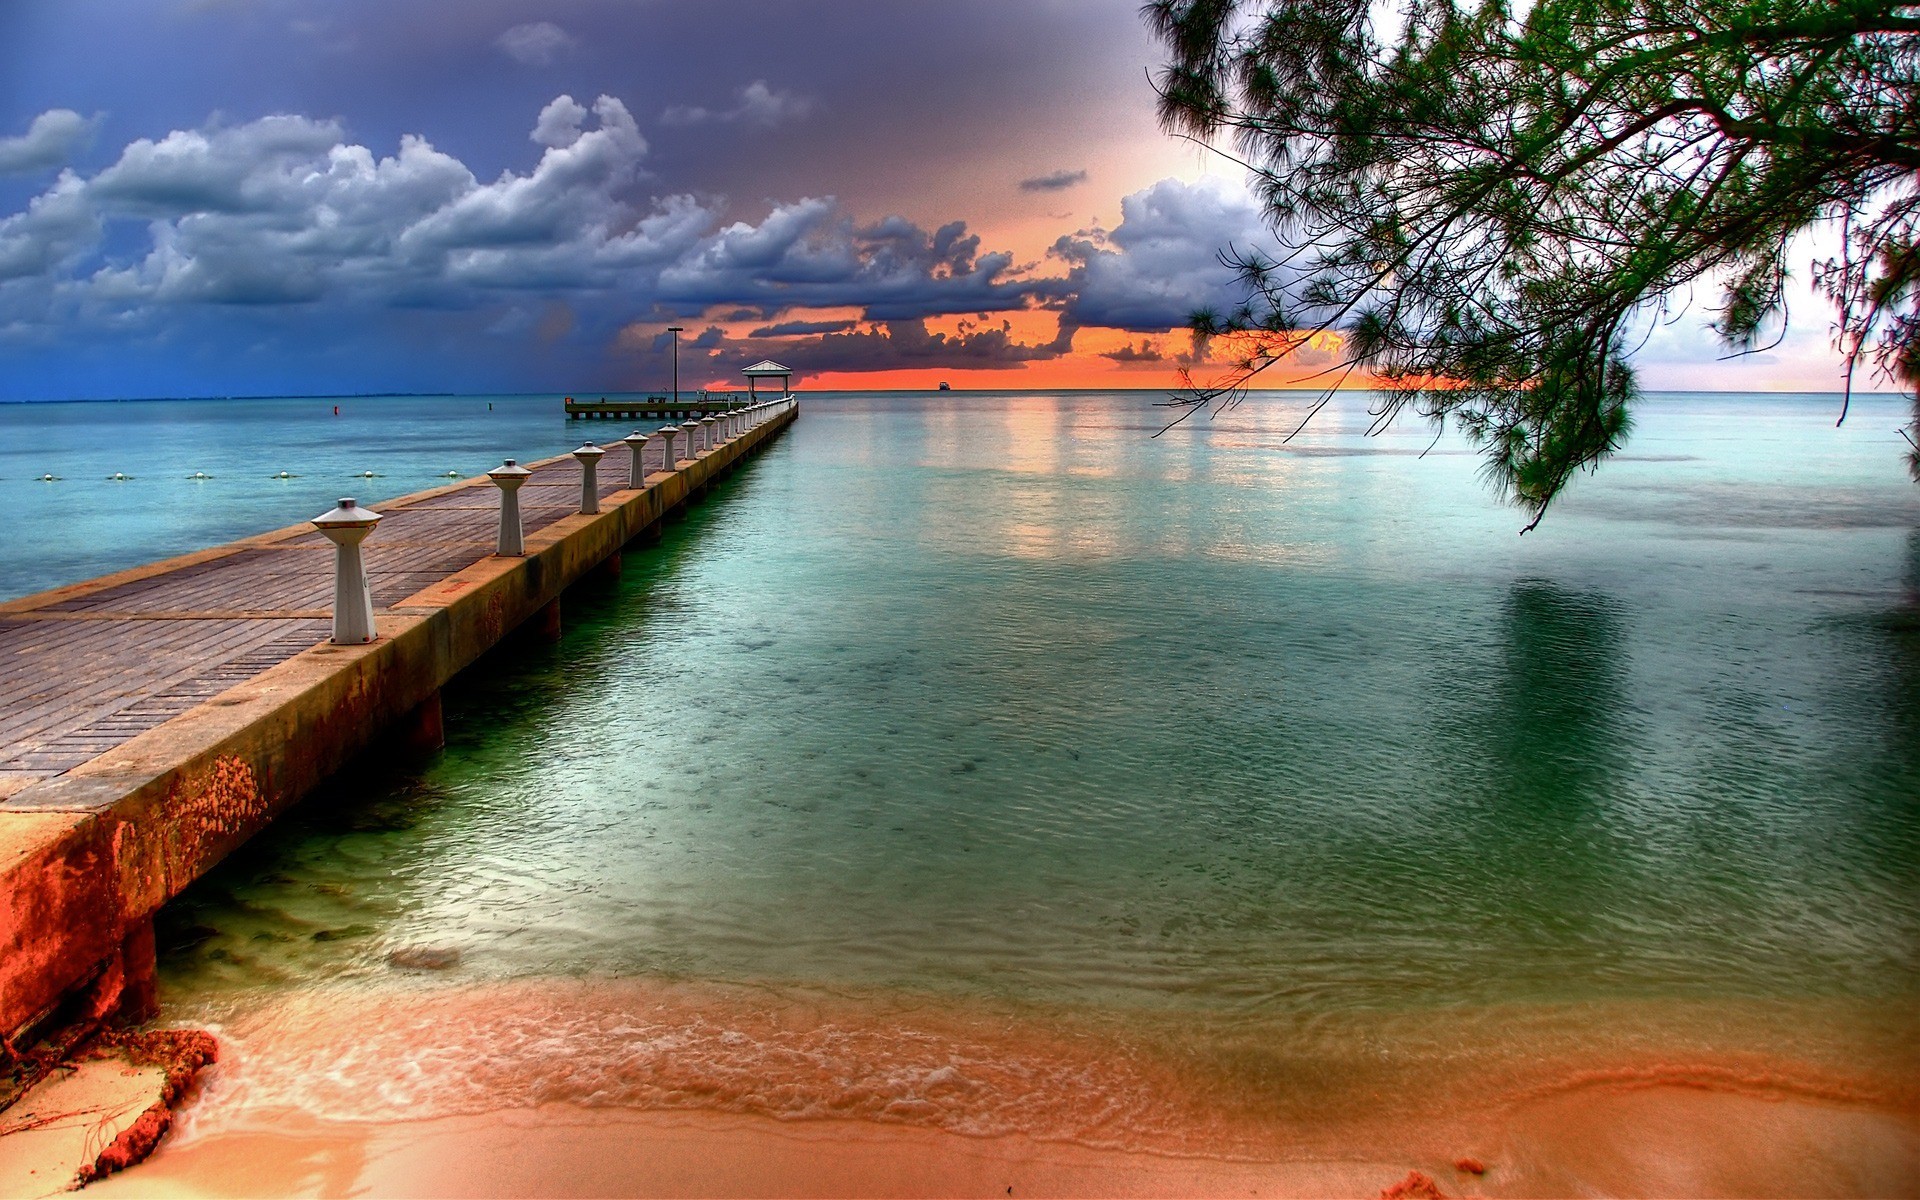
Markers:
87,667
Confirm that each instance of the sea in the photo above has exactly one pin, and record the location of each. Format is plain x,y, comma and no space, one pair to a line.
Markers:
1027,763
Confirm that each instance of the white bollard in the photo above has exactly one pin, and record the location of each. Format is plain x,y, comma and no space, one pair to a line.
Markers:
589,456
711,432
508,477
666,435
636,470
692,429
346,526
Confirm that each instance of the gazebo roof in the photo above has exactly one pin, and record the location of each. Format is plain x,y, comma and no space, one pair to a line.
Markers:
767,366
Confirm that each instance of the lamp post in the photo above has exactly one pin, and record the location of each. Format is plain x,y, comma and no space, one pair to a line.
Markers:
675,331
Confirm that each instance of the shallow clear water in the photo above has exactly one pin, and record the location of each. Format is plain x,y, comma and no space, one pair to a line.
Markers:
1281,758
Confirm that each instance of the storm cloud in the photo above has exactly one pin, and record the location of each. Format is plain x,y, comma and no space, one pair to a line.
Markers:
289,210
1055,181
892,345
1162,262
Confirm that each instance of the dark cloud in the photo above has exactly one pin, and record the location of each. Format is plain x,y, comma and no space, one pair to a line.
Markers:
801,328
289,210
756,104
1161,263
1056,181
810,254
1143,353
896,344
884,83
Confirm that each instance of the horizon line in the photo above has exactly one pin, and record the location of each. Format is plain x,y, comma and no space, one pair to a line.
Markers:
559,394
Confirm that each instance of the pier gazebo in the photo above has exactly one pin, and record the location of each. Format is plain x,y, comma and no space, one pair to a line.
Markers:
766,368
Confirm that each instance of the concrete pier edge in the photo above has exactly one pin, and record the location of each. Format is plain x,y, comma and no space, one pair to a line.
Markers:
88,857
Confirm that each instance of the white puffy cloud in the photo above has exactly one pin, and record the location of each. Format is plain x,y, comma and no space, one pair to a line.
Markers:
56,230
49,141
257,167
536,43
755,104
559,123
285,209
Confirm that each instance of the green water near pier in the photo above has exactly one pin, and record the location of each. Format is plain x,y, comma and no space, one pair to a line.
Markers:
999,700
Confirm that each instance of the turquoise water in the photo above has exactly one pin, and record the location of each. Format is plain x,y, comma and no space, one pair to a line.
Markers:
1277,760
409,443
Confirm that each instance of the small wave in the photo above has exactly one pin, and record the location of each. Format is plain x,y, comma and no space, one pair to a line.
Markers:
1169,1083
1761,1082
385,1056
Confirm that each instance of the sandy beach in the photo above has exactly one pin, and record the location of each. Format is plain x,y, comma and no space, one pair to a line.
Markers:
1604,1141
591,1088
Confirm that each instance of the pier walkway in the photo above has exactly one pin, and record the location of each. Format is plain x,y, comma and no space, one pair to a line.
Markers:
154,719
653,407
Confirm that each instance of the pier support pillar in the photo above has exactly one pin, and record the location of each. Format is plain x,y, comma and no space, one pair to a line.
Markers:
425,728
546,622
648,536
609,567
139,984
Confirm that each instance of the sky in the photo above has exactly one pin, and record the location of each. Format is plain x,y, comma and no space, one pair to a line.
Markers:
308,197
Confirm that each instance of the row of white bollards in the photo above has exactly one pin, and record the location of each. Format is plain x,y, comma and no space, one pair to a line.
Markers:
347,524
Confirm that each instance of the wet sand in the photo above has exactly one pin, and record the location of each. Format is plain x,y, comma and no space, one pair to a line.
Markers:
1658,1141
627,1087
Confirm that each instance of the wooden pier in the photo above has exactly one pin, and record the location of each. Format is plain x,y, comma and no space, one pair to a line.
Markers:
155,719
653,407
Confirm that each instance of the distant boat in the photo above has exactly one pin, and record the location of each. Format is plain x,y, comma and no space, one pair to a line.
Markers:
945,386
